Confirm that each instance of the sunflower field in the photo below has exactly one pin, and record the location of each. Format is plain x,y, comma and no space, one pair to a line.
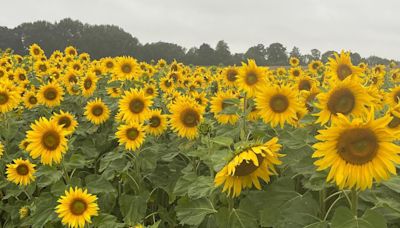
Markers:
117,142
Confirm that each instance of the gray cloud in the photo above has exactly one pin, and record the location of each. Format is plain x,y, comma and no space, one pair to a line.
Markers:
369,27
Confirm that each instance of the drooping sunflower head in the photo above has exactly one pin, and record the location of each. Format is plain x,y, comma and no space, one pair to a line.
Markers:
157,123
97,112
21,172
66,120
131,135
251,78
135,105
220,103
76,207
247,166
357,151
50,94
186,116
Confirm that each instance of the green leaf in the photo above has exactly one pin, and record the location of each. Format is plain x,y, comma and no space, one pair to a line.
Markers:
223,141
98,184
237,218
105,221
43,212
192,212
393,183
47,175
343,218
133,208
75,161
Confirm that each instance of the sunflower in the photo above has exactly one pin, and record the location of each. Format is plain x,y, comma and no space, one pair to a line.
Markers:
150,90
84,57
379,69
8,99
394,124
200,98
393,97
97,112
249,164
71,51
305,82
108,64
41,68
1,149
167,85
347,97
219,103
295,72
132,135
88,84
340,67
23,144
126,68
251,78
377,95
71,77
278,104
230,75
23,212
135,106
114,92
294,61
47,140
66,120
77,207
50,94
30,99
314,66
357,151
21,171
157,123
35,51
186,116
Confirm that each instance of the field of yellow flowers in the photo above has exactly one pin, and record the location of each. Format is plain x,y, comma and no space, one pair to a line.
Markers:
120,143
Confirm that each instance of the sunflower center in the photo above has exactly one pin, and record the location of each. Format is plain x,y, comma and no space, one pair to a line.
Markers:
109,65
168,84
51,140
32,100
279,103
395,122
36,51
357,146
341,101
155,121
43,68
97,72
22,77
245,168
251,78
136,106
78,207
126,68
50,94
315,66
190,118
97,110
73,79
174,77
343,71
64,120
88,83
3,98
296,73
150,91
231,75
305,85
77,67
132,133
22,169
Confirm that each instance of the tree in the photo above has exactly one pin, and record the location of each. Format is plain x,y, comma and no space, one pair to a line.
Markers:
205,55
316,54
9,38
222,53
257,53
355,58
328,54
276,55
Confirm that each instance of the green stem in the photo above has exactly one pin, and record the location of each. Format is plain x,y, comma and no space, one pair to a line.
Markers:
354,201
322,202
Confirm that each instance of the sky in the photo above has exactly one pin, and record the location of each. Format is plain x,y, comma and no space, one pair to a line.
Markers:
369,27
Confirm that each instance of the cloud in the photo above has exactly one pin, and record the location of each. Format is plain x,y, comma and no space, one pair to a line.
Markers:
368,27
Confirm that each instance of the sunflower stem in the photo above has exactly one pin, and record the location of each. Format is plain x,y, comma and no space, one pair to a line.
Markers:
322,202
354,201
244,116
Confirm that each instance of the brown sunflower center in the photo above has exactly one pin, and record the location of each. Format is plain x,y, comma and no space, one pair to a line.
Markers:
72,52
304,85
51,140
73,79
4,98
126,68
97,110
357,146
231,75
110,65
78,207
150,91
341,101
77,67
167,83
36,51
64,120
43,67
22,77
132,133
32,100
395,122
279,103
88,83
22,169
50,94
136,106
155,121
190,118
296,73
97,72
251,78
343,71
245,168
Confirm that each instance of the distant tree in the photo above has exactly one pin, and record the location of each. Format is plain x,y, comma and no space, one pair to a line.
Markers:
205,55
276,55
316,54
162,50
355,58
328,54
9,38
296,53
375,60
257,53
222,53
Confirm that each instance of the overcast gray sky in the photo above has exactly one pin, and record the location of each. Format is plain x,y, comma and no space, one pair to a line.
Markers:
370,27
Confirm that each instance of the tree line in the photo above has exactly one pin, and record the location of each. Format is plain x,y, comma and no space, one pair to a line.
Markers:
110,40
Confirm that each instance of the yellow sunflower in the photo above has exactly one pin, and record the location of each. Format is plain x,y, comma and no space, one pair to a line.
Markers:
251,78
114,92
71,51
66,120
340,68
50,94
97,112
293,61
230,75
8,99
347,97
47,140
132,135
157,123
357,151
1,149
21,171
393,97
135,106
88,84
295,72
394,124
76,207
278,104
126,68
23,144
186,116
219,103
151,90
30,99
314,66
108,64
36,51
41,68
247,166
